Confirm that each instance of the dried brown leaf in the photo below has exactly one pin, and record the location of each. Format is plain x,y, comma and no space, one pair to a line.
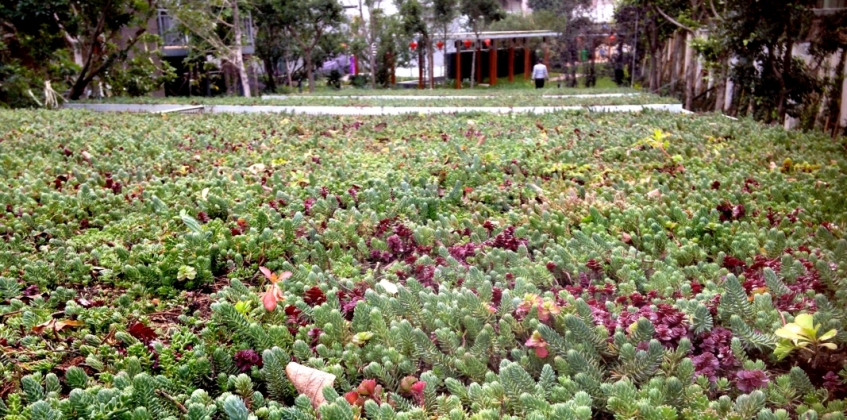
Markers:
309,382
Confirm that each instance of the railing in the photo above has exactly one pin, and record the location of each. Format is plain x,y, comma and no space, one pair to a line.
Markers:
173,38
170,37
832,4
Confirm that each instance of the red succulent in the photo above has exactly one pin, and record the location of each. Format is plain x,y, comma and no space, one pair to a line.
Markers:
751,380
314,296
537,343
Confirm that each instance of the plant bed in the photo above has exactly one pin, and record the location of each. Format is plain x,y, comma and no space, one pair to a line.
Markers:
561,266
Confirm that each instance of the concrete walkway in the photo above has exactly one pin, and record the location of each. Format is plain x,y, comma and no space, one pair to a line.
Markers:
430,97
350,110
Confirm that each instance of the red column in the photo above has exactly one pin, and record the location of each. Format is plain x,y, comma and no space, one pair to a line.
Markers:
526,68
478,65
420,69
492,63
458,64
511,60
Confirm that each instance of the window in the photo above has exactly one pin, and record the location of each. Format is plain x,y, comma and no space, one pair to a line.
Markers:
832,4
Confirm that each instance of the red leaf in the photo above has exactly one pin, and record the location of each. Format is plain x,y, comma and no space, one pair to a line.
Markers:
142,332
314,296
351,397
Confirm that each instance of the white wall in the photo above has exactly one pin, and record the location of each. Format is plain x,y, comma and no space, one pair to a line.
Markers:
602,10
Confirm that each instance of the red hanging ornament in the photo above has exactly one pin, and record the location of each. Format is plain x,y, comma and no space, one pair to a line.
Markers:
487,42
413,45
440,45
468,43
612,38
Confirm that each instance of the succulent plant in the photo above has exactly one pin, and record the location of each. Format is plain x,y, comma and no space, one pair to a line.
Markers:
561,266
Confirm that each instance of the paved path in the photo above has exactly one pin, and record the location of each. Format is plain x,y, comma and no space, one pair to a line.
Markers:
430,97
371,110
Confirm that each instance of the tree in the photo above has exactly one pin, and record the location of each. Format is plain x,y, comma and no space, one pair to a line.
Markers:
369,31
307,22
415,18
98,34
479,14
95,33
765,34
220,27
273,43
443,13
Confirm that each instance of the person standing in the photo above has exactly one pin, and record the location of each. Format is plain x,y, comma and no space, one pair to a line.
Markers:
539,74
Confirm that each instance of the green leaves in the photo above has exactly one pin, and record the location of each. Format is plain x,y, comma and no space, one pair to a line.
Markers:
190,222
803,334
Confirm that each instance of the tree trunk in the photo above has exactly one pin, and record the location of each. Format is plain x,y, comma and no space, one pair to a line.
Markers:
372,64
239,50
786,72
269,69
84,79
839,77
430,56
768,70
654,59
473,66
369,37
720,86
288,69
666,63
689,65
307,55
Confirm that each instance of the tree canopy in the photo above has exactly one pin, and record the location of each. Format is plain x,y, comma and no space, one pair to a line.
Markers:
71,43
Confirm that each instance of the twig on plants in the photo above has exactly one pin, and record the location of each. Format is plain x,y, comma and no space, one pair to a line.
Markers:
178,405
10,313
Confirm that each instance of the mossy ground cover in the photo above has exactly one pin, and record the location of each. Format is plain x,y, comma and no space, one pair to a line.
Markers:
561,266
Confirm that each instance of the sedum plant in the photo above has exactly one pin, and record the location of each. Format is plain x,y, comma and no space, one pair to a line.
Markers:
438,267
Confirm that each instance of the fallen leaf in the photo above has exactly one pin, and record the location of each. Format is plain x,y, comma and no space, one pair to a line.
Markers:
389,287
309,382
56,325
142,332
654,194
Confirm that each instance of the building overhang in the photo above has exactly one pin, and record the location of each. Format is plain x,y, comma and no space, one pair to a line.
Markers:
461,36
